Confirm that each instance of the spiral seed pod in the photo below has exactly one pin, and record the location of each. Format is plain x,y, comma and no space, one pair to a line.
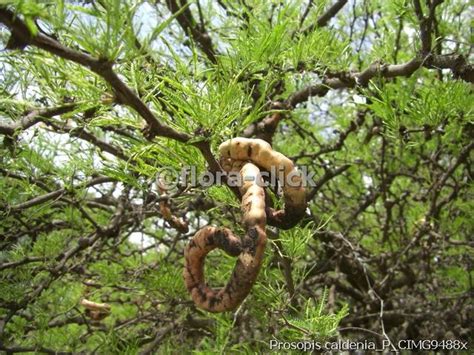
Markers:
246,156
250,250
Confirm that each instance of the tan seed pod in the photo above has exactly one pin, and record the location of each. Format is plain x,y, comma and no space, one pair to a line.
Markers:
250,251
96,311
261,153
246,156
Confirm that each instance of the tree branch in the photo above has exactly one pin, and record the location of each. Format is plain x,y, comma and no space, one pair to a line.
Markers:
328,175
100,66
330,13
57,193
34,117
457,63
324,19
188,24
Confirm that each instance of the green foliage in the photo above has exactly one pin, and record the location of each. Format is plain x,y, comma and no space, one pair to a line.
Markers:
314,323
433,105
395,225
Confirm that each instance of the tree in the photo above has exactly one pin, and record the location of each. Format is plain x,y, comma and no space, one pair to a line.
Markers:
99,97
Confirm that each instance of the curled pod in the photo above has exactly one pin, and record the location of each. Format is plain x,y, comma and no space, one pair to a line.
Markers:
291,180
249,251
